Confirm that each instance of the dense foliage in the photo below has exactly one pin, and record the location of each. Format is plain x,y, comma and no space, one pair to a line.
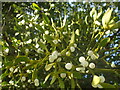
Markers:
60,45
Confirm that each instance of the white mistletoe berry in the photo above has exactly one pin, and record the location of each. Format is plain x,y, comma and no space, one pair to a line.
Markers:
11,82
11,69
55,54
92,65
81,59
72,49
113,65
63,75
55,41
90,52
36,81
84,63
68,53
59,59
23,78
68,66
29,80
47,32
80,69
102,79
52,5
51,58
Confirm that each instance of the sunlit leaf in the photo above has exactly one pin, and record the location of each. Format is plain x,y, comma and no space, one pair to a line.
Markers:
106,17
86,18
92,11
35,6
48,66
46,78
72,38
96,80
99,14
115,26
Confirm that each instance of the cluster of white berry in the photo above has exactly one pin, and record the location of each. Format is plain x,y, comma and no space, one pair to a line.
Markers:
36,82
54,56
83,61
92,55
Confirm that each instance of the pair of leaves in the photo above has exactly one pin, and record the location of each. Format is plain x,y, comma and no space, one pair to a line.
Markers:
93,13
54,77
107,23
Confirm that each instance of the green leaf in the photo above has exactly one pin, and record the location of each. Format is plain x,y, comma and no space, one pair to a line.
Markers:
72,38
115,25
96,80
34,75
9,63
76,75
92,11
53,80
99,14
4,83
86,18
35,6
107,86
95,15
61,83
72,83
48,66
104,41
45,18
3,75
21,59
63,52
106,17
48,38
46,78
43,46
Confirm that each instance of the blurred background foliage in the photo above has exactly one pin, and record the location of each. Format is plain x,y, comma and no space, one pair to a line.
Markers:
24,40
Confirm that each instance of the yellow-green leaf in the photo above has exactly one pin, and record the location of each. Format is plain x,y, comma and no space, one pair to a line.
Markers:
35,6
96,80
86,18
53,80
104,41
115,26
72,38
46,78
61,83
106,17
72,83
92,11
99,14
107,85
48,66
